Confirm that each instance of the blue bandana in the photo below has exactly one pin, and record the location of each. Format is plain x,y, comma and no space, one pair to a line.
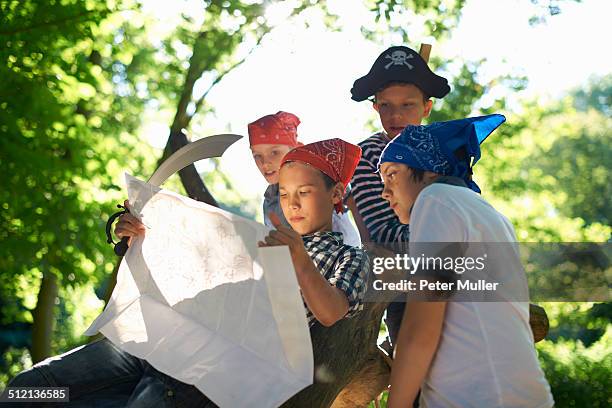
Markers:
432,147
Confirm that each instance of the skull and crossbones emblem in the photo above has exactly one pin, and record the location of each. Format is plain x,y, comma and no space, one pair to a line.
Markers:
399,58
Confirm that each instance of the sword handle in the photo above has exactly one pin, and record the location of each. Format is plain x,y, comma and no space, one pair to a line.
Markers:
121,247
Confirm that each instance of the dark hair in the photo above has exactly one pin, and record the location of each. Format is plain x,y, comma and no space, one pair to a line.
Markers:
461,155
329,182
391,83
417,174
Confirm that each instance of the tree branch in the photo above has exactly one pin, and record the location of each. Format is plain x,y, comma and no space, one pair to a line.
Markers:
227,71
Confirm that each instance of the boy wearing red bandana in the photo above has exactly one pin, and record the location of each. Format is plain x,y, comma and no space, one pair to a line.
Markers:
312,182
270,138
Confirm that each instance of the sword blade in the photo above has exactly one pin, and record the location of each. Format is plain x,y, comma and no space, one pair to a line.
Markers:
205,148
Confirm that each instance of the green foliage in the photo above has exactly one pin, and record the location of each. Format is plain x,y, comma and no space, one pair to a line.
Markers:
578,159
597,94
586,323
467,91
12,361
68,129
439,17
548,167
547,170
579,375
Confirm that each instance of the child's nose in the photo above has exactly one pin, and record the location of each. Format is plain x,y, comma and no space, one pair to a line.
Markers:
386,193
396,112
294,201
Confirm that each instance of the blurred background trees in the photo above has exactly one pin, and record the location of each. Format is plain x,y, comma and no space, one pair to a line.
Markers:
79,78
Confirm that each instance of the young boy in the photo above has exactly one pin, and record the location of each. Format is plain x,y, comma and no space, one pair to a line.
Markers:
331,276
312,183
271,137
459,353
402,84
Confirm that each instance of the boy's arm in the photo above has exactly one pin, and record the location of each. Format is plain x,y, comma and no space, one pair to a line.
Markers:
433,221
327,303
349,279
416,345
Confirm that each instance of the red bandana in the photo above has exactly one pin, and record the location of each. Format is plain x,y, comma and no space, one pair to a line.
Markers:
280,128
334,157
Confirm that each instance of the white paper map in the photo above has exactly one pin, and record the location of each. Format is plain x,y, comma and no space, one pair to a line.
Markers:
202,303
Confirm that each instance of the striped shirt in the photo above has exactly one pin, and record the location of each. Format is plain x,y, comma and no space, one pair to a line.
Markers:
344,266
380,220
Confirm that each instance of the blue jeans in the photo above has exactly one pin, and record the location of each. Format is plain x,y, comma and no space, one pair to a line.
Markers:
101,375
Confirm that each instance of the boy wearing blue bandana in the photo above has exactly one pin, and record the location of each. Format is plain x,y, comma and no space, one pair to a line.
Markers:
459,353
402,84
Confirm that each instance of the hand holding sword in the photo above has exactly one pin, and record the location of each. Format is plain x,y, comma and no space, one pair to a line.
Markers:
130,226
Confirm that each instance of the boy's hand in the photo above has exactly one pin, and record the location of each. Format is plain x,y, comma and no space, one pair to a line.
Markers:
284,235
327,303
128,225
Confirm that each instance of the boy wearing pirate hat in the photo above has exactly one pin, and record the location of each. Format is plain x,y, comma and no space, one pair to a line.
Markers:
270,138
401,85
463,352
331,275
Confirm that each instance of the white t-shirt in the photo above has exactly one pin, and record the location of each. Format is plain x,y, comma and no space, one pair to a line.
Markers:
342,223
486,356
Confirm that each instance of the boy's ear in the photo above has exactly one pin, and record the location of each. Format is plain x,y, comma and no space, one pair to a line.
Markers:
376,106
428,106
338,193
430,176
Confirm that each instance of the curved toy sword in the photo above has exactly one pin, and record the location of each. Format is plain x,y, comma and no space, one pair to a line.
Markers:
205,148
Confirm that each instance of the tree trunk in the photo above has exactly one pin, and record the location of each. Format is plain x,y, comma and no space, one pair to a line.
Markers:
42,327
341,353
191,180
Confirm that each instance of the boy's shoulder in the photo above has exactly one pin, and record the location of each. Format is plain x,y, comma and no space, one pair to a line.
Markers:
354,251
372,147
465,203
447,194
331,246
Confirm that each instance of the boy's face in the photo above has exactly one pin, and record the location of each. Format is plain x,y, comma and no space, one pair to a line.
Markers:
306,201
268,158
401,189
401,105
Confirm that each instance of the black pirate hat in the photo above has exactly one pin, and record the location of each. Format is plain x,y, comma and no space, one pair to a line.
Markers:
399,64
